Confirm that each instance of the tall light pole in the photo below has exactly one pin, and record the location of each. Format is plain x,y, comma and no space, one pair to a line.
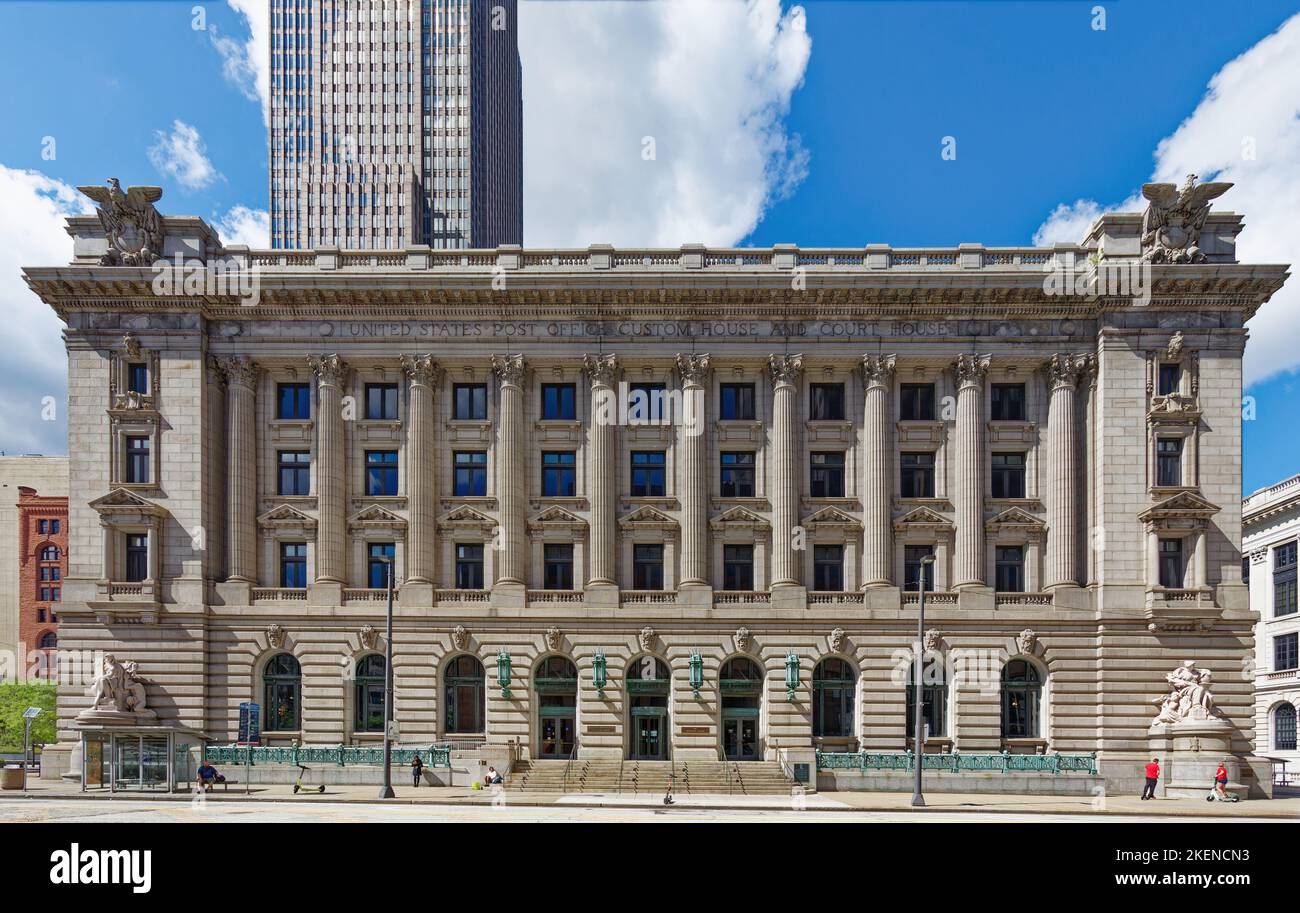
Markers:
918,729
387,791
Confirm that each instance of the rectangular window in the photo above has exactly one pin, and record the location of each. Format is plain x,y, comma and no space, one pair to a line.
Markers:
1284,580
738,567
648,474
647,567
1008,403
736,402
379,559
559,401
381,473
917,475
1171,378
826,402
137,460
559,475
828,568
294,472
43,527
1008,471
916,402
469,567
469,402
912,555
737,479
381,401
293,565
1010,569
1169,461
137,377
471,474
43,596
137,557
826,475
54,527
54,596
1171,564
293,401
558,567
1284,652
645,403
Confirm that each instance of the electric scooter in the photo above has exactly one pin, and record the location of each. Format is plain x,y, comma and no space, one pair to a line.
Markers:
1215,797
305,787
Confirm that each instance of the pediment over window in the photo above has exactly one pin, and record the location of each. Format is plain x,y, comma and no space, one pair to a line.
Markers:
376,516
123,506
557,518
647,517
1015,519
285,516
831,518
923,518
463,518
1185,505
738,518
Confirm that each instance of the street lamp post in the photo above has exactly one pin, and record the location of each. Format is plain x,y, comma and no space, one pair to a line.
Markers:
29,714
387,791
918,729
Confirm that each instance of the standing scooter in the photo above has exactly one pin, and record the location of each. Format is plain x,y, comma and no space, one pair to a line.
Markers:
299,785
1214,795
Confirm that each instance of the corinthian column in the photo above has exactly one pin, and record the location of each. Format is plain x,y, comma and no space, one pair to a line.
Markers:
785,467
603,457
1062,510
694,370
509,370
877,534
331,507
241,469
421,490
970,371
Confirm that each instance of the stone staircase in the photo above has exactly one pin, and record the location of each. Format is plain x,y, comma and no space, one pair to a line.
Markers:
697,778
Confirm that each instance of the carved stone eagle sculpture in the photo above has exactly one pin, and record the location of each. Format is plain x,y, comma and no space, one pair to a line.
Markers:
1171,225
131,223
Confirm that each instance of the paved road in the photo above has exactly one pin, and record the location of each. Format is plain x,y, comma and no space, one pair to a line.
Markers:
309,811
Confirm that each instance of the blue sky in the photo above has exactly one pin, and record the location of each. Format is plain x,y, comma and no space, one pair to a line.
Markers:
1045,110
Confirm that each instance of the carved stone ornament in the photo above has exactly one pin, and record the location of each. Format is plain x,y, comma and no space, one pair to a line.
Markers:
602,369
554,638
275,636
1026,641
742,640
132,345
330,369
509,369
837,640
117,694
1174,350
240,371
1174,217
421,369
369,637
1189,696
785,368
878,370
646,636
971,370
932,640
694,369
131,224
1065,370
459,637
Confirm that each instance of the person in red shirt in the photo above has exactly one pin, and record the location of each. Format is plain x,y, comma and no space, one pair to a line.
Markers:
1221,780
1153,774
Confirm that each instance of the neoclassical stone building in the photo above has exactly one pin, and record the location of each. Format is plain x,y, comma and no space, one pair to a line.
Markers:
664,503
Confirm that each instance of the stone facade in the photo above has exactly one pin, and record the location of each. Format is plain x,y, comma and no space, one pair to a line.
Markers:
831,415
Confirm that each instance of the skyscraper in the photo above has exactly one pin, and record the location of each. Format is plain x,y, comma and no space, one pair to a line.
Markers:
395,122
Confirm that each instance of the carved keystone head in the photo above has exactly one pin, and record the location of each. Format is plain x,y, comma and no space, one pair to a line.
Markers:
275,636
369,637
459,637
932,639
554,638
742,640
1027,641
647,638
837,640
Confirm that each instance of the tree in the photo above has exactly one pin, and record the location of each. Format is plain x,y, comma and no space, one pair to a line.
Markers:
15,697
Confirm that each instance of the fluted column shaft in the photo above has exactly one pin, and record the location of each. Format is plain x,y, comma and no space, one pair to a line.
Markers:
241,469
1062,447
877,475
970,371
694,370
511,441
603,371
421,473
785,467
331,506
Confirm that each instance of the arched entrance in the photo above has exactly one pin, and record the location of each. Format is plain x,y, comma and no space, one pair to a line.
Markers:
648,684
555,681
742,690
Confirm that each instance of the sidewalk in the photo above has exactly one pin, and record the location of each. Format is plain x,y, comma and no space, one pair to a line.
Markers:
1280,809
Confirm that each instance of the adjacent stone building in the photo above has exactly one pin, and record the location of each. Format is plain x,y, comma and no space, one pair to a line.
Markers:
33,488
668,503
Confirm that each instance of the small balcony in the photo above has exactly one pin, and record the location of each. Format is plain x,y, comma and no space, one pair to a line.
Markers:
279,594
1019,599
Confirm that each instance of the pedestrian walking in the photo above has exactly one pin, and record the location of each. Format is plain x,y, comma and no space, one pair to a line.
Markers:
1153,774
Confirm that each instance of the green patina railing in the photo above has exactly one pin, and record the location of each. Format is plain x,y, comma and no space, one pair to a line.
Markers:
340,755
958,761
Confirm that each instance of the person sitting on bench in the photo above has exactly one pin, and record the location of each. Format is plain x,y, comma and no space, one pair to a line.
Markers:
208,775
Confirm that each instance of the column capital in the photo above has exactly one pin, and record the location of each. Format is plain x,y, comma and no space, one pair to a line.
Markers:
509,369
331,370
784,368
877,370
1064,371
693,368
971,370
602,369
239,370
421,369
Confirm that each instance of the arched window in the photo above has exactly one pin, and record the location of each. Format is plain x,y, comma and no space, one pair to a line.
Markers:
1284,728
368,711
556,668
50,640
282,694
934,698
465,695
1022,700
50,553
832,688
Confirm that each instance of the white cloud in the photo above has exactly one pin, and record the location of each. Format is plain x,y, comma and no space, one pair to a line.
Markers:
181,154
710,81
1253,101
246,62
242,225
35,365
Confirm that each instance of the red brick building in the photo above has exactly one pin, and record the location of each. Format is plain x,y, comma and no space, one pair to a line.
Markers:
43,560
